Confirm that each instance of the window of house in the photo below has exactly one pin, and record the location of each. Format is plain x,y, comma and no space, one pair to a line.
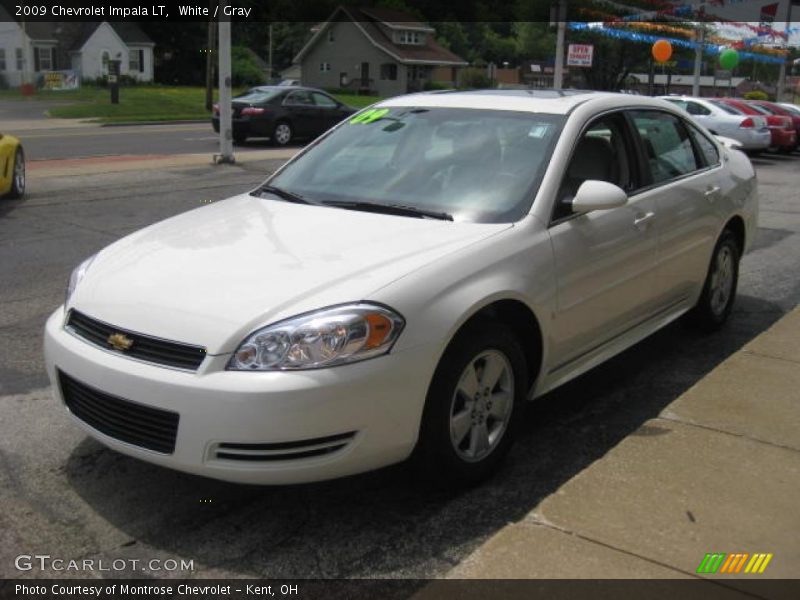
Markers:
2,59
43,58
324,67
136,60
389,71
104,58
20,60
410,37
331,37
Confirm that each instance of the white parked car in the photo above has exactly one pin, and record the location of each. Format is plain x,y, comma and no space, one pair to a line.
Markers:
402,286
724,120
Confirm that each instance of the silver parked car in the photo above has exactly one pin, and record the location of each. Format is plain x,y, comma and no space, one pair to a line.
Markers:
720,119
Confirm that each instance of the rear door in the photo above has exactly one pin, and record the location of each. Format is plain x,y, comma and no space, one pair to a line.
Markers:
684,170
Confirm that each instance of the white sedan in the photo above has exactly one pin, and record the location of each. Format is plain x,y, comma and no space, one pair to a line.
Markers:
722,119
402,286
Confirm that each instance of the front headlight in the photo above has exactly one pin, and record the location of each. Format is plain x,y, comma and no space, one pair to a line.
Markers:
76,276
324,338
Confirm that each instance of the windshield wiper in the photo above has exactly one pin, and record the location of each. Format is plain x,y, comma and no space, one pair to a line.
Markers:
282,194
390,209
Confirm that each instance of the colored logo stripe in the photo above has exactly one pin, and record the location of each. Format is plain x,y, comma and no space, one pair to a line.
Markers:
711,563
758,563
720,562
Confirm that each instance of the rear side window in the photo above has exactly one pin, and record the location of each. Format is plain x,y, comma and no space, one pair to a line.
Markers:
693,108
667,145
708,150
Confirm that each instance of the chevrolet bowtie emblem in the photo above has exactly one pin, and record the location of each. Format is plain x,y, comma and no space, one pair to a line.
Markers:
119,341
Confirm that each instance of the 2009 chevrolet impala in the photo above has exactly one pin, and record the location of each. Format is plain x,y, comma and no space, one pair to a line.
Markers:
403,285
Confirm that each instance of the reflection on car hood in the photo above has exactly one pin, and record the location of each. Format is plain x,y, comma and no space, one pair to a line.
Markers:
212,275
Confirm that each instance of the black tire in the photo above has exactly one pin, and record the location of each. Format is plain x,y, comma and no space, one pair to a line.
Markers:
282,134
710,314
18,183
436,458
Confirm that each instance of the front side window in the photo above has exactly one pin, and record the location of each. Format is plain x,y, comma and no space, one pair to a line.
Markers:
323,100
666,143
477,165
603,153
299,99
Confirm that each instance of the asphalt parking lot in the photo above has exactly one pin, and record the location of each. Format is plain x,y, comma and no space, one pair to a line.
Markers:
64,494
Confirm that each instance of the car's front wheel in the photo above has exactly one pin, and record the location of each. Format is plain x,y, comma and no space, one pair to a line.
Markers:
719,291
282,134
18,175
470,411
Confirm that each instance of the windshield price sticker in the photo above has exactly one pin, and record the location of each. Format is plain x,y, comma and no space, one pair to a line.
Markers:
369,116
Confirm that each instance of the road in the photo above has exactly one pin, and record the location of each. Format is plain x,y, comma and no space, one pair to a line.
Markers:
63,494
78,142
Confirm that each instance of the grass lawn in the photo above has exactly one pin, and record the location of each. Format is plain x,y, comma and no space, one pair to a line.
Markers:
140,103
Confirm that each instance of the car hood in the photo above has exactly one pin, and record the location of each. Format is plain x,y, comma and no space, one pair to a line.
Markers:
212,275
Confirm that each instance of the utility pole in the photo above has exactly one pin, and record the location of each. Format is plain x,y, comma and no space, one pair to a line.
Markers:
698,60
225,125
781,92
700,38
269,81
210,52
558,71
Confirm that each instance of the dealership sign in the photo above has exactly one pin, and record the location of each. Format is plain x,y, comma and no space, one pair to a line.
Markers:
580,55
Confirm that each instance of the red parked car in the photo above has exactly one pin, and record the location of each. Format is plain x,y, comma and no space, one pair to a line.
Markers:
777,109
784,136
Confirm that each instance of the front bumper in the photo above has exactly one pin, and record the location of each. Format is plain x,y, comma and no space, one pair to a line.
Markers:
381,400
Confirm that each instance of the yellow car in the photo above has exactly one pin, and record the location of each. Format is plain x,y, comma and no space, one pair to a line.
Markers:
12,167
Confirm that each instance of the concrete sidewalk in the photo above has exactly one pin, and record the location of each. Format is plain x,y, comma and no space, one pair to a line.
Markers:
717,471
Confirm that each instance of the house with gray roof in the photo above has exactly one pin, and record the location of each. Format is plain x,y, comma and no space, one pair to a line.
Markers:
36,48
376,50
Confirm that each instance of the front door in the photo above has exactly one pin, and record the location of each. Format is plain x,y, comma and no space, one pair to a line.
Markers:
605,259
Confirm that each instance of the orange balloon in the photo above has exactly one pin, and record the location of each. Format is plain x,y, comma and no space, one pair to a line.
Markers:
662,51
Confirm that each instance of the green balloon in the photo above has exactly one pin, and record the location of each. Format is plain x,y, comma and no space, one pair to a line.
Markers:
729,59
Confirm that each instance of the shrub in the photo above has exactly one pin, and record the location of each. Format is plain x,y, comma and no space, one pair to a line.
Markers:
475,79
245,68
756,95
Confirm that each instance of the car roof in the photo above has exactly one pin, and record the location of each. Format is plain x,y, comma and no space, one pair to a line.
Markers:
284,88
560,102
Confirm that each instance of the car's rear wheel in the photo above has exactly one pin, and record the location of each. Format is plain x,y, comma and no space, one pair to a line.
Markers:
18,175
719,291
282,134
470,411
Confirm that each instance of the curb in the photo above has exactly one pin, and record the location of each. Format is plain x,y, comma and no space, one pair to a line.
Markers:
134,123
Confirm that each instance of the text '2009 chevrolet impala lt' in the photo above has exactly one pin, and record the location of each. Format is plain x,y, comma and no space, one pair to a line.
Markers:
403,285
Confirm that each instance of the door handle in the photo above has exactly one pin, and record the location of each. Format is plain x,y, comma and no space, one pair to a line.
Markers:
711,192
641,220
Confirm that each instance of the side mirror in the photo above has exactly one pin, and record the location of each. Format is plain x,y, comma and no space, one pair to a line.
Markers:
598,195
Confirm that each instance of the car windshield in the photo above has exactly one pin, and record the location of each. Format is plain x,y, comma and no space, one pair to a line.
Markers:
476,165
257,96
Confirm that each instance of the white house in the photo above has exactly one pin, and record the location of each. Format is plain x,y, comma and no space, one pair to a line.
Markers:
39,47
